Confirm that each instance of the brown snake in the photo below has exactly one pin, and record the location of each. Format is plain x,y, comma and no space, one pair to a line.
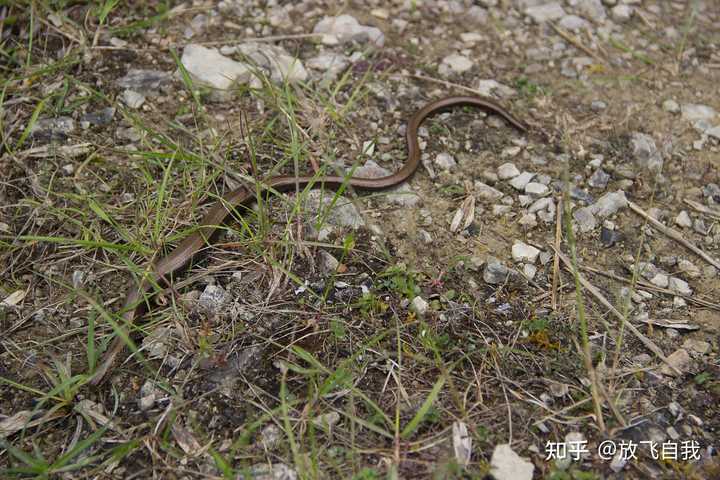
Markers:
180,257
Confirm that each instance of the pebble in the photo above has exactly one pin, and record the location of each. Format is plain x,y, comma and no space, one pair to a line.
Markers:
132,99
609,237
501,209
609,204
599,179
346,28
343,213
445,161
505,464
546,12
57,128
495,272
144,81
419,306
621,13
536,189
645,152
585,219
522,252
333,64
528,220
100,117
679,359
573,22
213,298
529,270
519,182
671,106
402,194
693,112
683,220
208,67
698,346
487,192
327,263
540,204
680,286
689,269
507,171
455,63
493,88
277,64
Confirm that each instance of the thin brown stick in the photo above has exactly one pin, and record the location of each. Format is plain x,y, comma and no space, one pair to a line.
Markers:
674,234
713,212
604,301
577,43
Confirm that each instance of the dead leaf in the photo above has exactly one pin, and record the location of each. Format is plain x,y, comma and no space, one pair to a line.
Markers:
464,215
14,298
462,443
668,323
185,439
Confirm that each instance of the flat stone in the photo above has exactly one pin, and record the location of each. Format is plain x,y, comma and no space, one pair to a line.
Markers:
536,189
402,194
693,112
585,219
132,99
495,272
419,306
573,22
58,128
546,12
213,298
609,204
333,64
679,286
645,152
621,13
455,63
208,67
507,171
599,179
698,346
277,64
683,220
505,464
679,359
671,106
487,192
343,213
519,182
345,28
144,81
445,161
493,88
522,252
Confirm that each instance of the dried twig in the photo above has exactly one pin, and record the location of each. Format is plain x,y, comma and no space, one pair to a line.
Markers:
713,212
674,234
556,260
604,301
577,43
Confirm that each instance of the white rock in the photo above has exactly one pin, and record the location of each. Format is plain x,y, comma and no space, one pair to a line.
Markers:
519,182
572,22
445,161
276,62
507,170
208,67
402,194
419,306
683,220
679,286
132,98
621,13
545,12
346,28
689,269
455,63
529,220
693,112
487,192
536,189
671,106
660,280
541,204
609,204
529,270
522,252
493,88
505,464
585,219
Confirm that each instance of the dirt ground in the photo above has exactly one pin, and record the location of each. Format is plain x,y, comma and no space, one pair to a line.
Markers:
361,341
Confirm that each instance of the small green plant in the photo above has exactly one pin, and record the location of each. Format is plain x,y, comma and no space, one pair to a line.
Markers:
400,280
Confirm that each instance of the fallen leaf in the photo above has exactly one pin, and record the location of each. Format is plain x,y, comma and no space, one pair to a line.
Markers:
464,215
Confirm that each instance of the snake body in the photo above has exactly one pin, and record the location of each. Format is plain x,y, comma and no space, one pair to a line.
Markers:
137,296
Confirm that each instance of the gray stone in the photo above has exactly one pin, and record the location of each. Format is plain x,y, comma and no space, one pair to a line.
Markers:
592,9
599,179
507,171
536,189
333,64
57,128
679,286
445,161
209,68
144,81
346,28
598,105
419,306
132,99
327,263
621,13
495,272
546,12
213,298
693,112
493,88
689,269
585,219
275,62
455,63
519,182
609,204
683,220
505,464
680,359
100,117
274,471
487,192
573,22
402,194
342,214
670,106
646,153
528,220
